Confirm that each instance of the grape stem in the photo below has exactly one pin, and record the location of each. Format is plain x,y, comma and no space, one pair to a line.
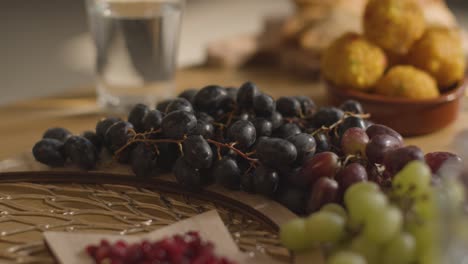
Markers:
231,146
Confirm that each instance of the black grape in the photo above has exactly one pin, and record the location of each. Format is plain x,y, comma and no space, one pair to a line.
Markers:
227,173
152,120
292,198
136,116
305,145
178,123
50,152
243,132
276,120
168,154
186,175
209,99
103,125
275,152
379,145
308,106
93,137
162,106
81,152
246,181
288,106
204,129
188,94
57,133
197,152
352,106
327,116
179,104
349,122
204,117
144,160
116,137
375,130
264,105
396,159
265,181
263,127
322,142
287,130
246,95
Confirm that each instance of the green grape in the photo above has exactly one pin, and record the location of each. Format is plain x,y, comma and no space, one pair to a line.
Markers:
413,180
425,208
401,249
425,235
346,257
293,235
455,192
369,250
325,227
360,187
362,204
383,224
334,208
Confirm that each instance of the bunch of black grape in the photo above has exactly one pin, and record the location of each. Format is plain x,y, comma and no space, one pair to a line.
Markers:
239,138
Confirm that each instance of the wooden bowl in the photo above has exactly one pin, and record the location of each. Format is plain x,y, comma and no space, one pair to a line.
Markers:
407,116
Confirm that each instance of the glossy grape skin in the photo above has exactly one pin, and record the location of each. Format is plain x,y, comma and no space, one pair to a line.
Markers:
136,116
118,135
361,187
93,138
204,129
288,106
81,152
264,105
308,106
305,145
209,99
58,133
354,141
152,120
143,160
275,152
325,190
188,94
243,133
265,181
292,198
178,123
287,130
197,152
162,105
179,104
396,159
376,129
379,145
50,152
263,127
413,180
276,120
246,95
351,174
435,160
324,164
325,227
322,142
103,125
201,116
186,175
327,116
293,235
352,106
227,173
349,122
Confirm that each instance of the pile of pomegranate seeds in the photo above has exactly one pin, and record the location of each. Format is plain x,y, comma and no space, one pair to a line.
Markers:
179,249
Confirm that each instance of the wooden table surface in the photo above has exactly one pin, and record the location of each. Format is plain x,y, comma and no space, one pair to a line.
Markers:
23,123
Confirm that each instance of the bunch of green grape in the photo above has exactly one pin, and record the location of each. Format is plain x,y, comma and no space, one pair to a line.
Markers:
399,226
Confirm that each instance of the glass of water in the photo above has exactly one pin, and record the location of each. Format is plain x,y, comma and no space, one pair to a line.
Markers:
137,43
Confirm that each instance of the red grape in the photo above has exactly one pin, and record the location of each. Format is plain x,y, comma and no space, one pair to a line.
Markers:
375,130
325,191
354,141
379,145
396,159
435,160
324,164
351,174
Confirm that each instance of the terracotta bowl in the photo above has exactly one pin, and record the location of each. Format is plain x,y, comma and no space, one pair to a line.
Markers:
407,116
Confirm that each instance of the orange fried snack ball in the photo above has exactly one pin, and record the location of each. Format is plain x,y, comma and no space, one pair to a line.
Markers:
353,62
407,82
440,53
394,25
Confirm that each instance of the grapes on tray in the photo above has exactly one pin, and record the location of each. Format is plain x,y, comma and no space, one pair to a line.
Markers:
356,180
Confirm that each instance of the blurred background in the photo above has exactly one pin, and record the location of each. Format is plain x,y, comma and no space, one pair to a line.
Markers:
45,47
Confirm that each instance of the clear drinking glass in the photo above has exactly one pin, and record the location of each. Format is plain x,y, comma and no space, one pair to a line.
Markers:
136,43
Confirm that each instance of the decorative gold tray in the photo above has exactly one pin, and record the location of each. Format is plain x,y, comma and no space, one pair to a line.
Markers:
33,202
